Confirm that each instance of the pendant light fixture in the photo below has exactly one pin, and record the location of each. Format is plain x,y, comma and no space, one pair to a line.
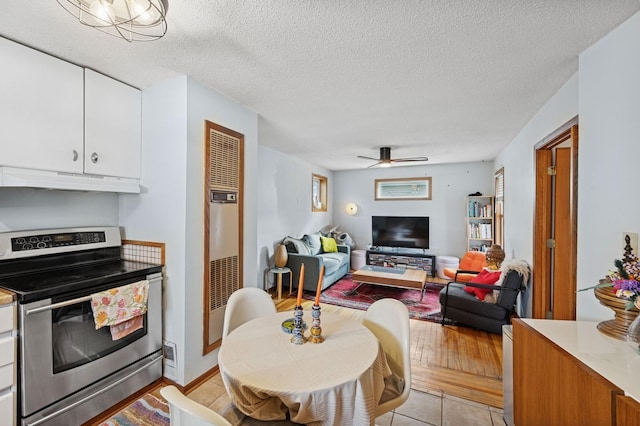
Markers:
133,20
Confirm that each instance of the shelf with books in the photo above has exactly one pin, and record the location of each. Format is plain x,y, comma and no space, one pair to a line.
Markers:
479,222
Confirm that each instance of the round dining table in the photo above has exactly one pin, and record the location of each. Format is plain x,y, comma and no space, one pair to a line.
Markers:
336,382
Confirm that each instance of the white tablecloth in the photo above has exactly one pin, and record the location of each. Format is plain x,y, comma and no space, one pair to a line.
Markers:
337,382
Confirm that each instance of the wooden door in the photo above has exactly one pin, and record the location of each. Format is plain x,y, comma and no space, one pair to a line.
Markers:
555,227
563,286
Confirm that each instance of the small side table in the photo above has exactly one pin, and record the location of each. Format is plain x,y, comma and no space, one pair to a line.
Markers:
278,272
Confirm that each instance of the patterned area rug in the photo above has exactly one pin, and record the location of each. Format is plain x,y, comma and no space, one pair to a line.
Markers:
146,411
341,294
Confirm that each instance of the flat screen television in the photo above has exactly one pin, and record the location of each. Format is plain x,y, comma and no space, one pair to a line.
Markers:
400,231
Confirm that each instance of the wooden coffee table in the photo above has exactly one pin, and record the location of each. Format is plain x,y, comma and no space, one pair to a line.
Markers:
392,277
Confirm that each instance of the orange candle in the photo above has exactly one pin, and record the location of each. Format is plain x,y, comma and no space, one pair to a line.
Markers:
319,290
300,285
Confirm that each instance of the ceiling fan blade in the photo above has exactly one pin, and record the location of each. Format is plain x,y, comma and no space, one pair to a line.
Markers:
402,160
386,160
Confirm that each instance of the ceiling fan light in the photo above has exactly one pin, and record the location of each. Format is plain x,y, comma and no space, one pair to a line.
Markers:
132,20
385,164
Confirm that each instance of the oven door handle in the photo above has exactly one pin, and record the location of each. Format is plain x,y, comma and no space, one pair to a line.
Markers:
93,395
57,305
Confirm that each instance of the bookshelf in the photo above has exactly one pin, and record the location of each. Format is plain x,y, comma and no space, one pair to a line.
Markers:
480,211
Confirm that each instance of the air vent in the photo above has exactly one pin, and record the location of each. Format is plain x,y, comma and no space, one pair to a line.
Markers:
224,281
225,163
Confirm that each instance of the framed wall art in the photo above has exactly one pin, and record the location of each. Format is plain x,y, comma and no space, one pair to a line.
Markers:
418,188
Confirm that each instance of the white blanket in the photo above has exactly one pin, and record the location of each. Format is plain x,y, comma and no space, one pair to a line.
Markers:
520,266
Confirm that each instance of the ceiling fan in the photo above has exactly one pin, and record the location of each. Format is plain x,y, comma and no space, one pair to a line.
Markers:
386,161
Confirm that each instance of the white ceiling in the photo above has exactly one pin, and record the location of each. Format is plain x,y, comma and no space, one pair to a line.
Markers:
451,80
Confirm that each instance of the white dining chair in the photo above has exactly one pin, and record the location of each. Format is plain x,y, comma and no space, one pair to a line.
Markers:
187,412
388,320
244,305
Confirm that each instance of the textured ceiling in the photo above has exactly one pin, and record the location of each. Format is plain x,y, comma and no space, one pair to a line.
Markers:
451,80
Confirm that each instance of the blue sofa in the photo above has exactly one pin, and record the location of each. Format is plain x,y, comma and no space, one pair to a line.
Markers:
308,250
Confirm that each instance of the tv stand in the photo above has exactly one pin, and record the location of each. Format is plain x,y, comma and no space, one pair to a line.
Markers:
402,259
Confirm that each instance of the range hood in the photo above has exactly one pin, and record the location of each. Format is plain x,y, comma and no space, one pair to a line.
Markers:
29,178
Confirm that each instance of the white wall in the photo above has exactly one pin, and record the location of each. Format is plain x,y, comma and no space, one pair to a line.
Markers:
608,202
29,208
604,94
206,104
284,203
171,208
518,160
451,183
159,212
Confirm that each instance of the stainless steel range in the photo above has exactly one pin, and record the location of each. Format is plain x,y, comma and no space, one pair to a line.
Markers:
68,371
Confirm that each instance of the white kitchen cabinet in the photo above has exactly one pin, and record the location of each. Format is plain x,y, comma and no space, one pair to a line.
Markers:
113,121
8,379
8,408
65,127
41,110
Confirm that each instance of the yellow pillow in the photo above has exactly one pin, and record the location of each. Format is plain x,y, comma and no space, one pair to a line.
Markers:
328,245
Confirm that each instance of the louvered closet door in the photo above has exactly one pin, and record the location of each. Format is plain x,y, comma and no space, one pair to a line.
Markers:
223,223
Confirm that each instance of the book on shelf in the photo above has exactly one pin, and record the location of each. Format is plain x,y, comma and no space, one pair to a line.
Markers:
480,231
483,248
477,209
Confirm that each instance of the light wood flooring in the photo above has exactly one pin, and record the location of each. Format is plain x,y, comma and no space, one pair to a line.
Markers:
455,360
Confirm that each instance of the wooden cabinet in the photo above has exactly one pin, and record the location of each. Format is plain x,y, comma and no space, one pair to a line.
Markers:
479,223
553,387
41,112
113,117
627,411
58,117
8,379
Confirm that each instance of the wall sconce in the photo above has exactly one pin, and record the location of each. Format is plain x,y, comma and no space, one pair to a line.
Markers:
352,208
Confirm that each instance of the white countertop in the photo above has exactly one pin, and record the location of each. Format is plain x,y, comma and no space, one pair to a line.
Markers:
615,360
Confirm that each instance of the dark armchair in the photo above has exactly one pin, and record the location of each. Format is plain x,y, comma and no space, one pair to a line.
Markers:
460,306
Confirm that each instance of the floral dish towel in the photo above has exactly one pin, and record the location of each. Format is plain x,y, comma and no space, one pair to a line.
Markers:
116,305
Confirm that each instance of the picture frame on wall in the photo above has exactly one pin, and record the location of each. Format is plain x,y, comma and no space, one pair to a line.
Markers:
418,188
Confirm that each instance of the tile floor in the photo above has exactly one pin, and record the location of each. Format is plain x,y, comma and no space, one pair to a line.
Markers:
432,409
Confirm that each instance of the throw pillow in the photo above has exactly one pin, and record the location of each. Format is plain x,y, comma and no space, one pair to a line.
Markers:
484,277
313,241
295,245
329,245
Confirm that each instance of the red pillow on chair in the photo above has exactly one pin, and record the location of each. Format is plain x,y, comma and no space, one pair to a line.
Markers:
484,277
